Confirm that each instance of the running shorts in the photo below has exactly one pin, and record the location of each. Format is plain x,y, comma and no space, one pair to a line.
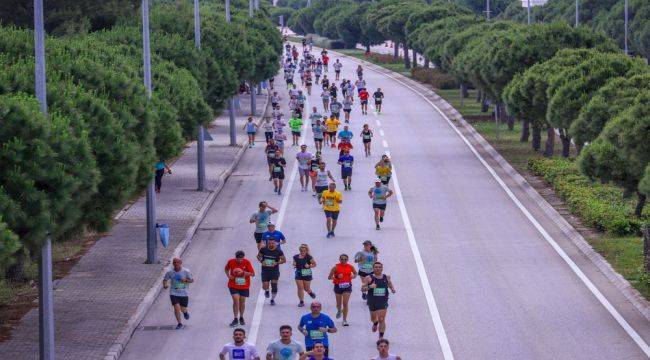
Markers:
318,140
364,102
180,300
240,292
363,274
299,276
377,102
269,274
379,206
346,173
332,214
336,114
252,133
258,237
332,134
340,290
278,175
347,110
303,172
366,140
296,133
320,189
382,305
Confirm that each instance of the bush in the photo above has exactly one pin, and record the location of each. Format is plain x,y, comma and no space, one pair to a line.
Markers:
323,42
599,205
435,78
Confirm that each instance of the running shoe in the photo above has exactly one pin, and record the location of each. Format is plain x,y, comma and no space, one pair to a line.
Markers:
345,323
234,323
377,228
312,295
186,315
338,314
272,302
381,219
179,326
301,304
267,294
364,296
241,321
374,327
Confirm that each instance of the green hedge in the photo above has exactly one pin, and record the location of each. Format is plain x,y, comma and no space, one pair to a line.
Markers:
323,42
435,78
599,205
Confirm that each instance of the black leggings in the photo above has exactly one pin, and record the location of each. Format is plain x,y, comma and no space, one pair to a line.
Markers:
159,176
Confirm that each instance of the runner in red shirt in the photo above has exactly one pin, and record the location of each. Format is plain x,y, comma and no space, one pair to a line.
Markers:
239,271
342,275
344,145
326,60
363,96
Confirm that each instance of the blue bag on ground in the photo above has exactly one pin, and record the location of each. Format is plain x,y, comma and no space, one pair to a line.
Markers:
164,234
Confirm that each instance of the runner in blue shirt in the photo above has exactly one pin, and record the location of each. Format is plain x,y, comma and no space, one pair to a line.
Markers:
273,234
315,327
345,133
346,161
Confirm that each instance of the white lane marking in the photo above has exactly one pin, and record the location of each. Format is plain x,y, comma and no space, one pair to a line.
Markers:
385,143
574,267
378,122
381,132
259,305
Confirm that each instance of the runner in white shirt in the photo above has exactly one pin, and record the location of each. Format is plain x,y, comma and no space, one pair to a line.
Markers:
238,349
303,158
285,348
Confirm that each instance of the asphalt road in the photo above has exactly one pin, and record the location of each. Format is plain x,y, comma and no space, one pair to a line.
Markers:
475,277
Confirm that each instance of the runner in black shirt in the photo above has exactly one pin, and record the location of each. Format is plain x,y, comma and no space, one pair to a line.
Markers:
379,97
277,171
377,284
271,257
304,263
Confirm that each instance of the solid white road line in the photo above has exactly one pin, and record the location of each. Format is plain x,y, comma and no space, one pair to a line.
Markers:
378,122
385,143
572,265
381,132
259,305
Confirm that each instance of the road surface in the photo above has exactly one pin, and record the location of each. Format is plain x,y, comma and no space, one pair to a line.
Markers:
475,277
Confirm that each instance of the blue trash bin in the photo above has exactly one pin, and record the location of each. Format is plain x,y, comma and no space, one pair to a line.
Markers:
163,230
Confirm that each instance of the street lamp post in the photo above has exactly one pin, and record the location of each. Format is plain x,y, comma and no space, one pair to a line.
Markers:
152,251
252,86
200,143
625,48
231,101
45,298
577,13
528,12
487,9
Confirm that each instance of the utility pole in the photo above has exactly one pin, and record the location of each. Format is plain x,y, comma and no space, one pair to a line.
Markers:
152,251
528,12
200,142
231,101
487,9
625,48
252,86
250,8
577,13
45,297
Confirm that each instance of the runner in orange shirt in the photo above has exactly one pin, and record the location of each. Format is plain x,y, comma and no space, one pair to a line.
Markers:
239,272
363,96
342,275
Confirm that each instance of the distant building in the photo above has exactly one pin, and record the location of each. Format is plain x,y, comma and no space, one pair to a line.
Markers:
524,3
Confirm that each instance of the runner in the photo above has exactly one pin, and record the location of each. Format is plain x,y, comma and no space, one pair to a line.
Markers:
379,97
261,220
332,125
304,43
384,169
295,123
326,60
179,278
321,180
315,326
270,150
333,92
331,200
337,68
346,161
267,125
360,84
315,115
325,95
278,164
347,107
318,72
239,271
342,275
359,71
379,194
275,99
280,137
284,348
325,84
272,234
366,136
303,157
363,97
319,352
344,88
271,258
301,100
314,166
383,347
377,286
303,263
238,349
251,130
344,145
308,82
365,259
319,133
346,133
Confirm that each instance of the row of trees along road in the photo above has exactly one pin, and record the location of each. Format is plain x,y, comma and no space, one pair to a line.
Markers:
558,79
71,171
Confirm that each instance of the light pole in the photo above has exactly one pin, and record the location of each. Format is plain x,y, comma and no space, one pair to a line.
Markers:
152,251
250,8
528,12
487,9
200,143
577,13
252,86
625,48
45,298
231,101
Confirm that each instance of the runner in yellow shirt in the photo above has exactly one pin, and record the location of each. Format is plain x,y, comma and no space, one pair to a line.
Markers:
384,169
331,199
332,125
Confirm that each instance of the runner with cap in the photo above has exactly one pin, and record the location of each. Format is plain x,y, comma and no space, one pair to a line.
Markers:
261,219
379,194
365,259
239,272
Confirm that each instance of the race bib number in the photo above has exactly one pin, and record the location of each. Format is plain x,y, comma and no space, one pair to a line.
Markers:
367,267
277,169
347,164
179,285
305,272
379,292
238,354
240,281
344,285
316,334
367,137
329,202
383,178
269,262
271,154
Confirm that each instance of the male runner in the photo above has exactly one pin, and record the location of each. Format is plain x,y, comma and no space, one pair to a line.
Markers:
360,84
377,286
379,97
366,259
321,179
325,83
267,125
315,326
319,352
284,348
239,271
275,99
346,133
261,220
295,123
272,234
347,108
319,131
335,108
363,97
303,157
337,68
271,257
383,349
379,194
345,145
180,278
278,164
346,161
332,125
331,200
270,150
238,349
315,115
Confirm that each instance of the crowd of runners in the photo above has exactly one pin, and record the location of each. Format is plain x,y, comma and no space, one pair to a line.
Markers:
315,177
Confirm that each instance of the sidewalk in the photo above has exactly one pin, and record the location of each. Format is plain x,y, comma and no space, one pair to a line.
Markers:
96,305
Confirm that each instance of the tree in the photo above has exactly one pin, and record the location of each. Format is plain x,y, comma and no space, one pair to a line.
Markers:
621,153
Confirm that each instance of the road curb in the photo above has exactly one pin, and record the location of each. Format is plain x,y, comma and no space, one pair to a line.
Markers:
131,325
629,292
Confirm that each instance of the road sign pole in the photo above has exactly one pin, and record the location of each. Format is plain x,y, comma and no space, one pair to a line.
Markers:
231,101
45,298
152,252
200,142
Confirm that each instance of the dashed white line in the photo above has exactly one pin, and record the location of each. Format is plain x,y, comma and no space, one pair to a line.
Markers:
381,132
385,143
378,122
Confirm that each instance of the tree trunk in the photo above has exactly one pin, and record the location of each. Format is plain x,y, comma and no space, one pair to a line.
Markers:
485,106
479,96
426,62
510,120
407,59
579,147
525,131
537,137
638,211
463,90
415,59
368,48
549,149
566,143
645,230
395,51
